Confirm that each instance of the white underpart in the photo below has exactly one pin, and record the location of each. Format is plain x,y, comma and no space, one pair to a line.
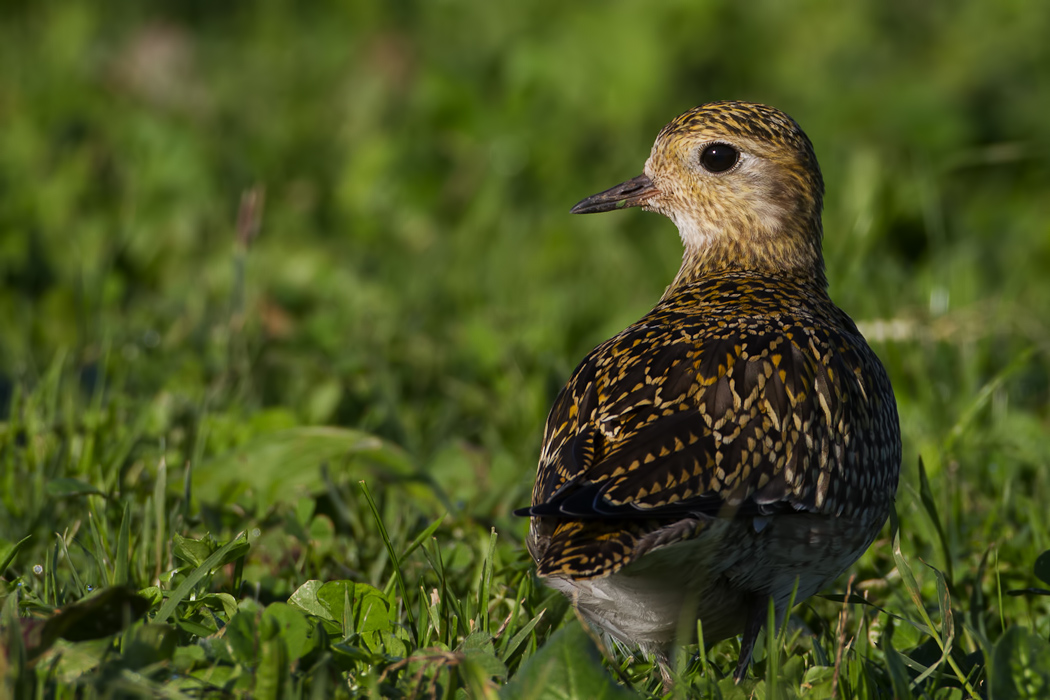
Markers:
711,576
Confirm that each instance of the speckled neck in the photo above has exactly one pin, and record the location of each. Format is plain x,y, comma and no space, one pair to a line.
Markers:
796,256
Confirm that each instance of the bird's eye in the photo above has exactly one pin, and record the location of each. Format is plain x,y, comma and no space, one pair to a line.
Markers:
718,157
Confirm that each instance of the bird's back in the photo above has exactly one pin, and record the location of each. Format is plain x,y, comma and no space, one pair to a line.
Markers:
739,397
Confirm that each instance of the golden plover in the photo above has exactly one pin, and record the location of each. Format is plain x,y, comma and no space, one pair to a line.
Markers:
741,438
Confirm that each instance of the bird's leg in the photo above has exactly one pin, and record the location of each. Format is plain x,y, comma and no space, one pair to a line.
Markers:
757,610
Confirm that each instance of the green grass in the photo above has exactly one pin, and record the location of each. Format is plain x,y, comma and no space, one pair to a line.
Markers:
278,458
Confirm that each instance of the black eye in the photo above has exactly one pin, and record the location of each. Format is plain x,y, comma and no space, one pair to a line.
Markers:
718,157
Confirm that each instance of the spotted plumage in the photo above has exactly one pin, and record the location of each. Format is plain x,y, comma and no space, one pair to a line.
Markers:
739,438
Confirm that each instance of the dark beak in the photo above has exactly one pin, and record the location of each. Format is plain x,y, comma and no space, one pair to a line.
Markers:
633,193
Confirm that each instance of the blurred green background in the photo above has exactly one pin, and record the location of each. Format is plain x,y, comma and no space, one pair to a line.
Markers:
417,274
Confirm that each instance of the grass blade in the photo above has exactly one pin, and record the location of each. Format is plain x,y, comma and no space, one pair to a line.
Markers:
522,634
11,553
482,619
98,553
394,561
947,634
197,574
926,496
120,557
159,489
77,582
423,537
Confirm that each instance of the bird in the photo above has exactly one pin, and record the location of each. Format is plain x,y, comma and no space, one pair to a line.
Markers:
738,446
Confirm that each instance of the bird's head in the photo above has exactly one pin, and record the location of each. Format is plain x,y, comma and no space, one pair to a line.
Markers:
741,182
